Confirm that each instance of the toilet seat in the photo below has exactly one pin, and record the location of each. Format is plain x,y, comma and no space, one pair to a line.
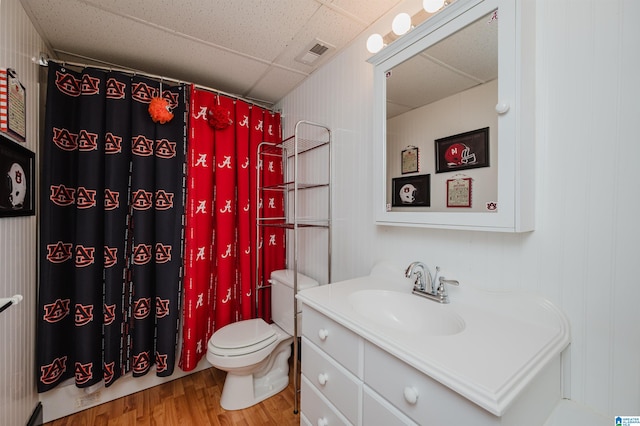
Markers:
242,338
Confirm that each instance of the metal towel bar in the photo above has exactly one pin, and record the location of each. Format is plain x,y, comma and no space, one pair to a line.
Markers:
6,302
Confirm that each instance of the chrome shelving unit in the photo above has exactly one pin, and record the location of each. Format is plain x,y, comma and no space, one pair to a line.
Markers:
309,142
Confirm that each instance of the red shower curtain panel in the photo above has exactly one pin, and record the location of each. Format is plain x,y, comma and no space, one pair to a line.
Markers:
220,227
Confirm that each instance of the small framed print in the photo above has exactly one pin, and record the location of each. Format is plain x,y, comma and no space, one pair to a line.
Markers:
411,191
410,160
468,150
17,188
459,192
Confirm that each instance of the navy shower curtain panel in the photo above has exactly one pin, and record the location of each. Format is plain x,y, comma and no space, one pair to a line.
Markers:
112,204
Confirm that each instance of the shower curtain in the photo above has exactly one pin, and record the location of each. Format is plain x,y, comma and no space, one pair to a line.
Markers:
220,251
112,206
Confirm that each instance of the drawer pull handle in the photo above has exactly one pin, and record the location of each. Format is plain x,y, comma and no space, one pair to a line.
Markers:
323,421
322,378
323,333
411,395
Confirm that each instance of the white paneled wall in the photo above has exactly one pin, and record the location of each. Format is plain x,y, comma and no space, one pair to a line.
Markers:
19,42
583,253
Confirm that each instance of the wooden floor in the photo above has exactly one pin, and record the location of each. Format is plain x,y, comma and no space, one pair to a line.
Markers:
191,400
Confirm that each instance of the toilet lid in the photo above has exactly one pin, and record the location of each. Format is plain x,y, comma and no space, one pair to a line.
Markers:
243,334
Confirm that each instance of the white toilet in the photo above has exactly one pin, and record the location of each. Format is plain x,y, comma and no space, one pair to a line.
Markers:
255,354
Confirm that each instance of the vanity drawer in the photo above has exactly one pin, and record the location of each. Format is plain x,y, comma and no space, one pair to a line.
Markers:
340,343
332,380
376,411
423,399
316,409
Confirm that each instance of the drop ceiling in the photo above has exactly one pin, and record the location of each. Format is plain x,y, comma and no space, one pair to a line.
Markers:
244,47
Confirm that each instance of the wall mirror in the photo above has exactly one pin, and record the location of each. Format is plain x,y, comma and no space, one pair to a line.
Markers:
449,151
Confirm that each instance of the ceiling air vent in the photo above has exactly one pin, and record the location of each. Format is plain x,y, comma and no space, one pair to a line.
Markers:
313,51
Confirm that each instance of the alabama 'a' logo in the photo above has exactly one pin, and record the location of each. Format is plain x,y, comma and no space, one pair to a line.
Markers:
142,200
111,199
112,144
84,256
163,253
142,146
110,256
65,140
142,92
108,369
68,84
83,372
85,198
162,307
161,363
83,314
164,200
142,254
165,149
142,308
114,89
141,363
51,373
56,311
59,252
109,314
62,196
87,141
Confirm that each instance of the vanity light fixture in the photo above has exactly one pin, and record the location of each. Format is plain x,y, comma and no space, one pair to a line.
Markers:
433,6
401,23
375,43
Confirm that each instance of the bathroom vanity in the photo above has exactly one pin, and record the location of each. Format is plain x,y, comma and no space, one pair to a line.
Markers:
375,354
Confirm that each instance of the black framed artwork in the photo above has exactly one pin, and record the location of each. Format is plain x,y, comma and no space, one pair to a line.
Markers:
16,179
469,150
411,191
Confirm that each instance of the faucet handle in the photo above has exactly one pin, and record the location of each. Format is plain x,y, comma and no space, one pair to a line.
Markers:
442,290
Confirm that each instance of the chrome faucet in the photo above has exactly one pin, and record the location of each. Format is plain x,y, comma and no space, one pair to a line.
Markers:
432,288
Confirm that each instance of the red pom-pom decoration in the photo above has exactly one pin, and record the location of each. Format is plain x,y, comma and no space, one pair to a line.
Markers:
219,117
159,111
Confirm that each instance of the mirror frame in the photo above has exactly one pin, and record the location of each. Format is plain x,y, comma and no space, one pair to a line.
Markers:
516,126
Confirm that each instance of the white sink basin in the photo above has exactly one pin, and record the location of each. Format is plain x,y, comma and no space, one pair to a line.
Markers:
406,313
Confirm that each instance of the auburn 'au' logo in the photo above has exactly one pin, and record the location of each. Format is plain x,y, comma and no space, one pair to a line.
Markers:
64,139
90,85
164,200
161,363
61,195
141,363
162,307
114,89
109,314
165,149
111,199
59,252
110,256
68,84
142,308
83,314
87,141
108,369
142,146
142,92
56,311
142,254
112,144
84,256
50,373
83,372
142,200
85,198
163,253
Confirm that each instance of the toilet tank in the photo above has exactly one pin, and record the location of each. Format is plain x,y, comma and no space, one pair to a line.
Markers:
282,300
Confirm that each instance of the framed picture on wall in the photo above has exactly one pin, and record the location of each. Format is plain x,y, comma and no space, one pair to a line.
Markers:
459,192
469,150
411,191
16,179
410,160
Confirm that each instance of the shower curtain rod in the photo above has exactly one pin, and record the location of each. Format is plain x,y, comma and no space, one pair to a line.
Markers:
44,60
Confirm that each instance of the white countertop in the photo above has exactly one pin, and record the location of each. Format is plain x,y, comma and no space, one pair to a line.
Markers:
508,337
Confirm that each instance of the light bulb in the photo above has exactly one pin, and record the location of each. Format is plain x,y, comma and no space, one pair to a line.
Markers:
375,43
401,23
432,6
